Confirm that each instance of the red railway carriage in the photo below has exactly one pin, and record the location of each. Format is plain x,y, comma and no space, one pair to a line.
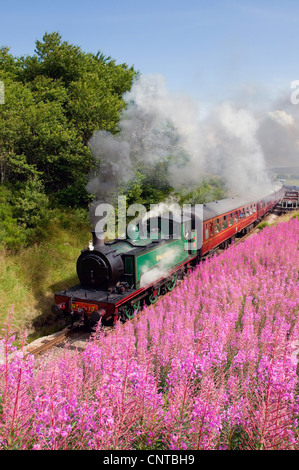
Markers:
266,203
223,220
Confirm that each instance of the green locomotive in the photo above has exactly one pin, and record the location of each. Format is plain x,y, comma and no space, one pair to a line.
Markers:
117,276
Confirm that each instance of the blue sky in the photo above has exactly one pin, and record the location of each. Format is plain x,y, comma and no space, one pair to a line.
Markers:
213,50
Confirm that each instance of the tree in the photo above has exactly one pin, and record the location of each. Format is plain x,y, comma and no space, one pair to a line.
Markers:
54,59
14,165
55,100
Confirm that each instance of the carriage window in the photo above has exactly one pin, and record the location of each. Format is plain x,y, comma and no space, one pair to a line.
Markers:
211,229
217,226
243,213
236,217
254,208
224,222
231,220
206,231
247,211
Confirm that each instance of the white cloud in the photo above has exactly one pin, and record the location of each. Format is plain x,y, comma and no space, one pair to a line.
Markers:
282,118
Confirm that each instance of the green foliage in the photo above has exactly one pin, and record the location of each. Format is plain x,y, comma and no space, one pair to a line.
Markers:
54,101
149,186
263,225
134,193
14,131
211,189
23,214
30,275
12,235
30,205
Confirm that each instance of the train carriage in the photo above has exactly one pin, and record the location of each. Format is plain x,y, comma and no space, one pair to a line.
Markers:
290,201
223,220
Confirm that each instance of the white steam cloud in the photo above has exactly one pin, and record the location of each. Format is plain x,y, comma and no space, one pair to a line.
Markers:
232,141
160,270
279,134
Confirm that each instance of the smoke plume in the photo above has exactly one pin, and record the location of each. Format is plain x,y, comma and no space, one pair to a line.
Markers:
152,274
278,134
232,141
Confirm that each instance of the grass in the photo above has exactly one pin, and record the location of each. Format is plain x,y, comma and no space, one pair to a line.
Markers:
29,278
262,225
283,218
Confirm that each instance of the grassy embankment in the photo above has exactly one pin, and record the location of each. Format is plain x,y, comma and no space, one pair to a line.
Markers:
29,278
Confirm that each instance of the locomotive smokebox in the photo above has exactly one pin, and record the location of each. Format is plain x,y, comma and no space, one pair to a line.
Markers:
100,266
98,238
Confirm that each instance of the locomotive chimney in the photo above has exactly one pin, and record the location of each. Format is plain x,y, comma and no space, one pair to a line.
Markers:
98,238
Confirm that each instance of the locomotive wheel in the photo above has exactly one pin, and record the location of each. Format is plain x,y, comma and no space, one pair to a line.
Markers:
172,283
130,311
153,297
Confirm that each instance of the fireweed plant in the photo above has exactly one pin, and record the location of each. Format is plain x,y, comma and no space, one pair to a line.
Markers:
213,365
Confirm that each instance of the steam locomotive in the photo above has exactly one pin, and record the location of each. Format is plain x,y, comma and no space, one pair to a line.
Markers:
117,277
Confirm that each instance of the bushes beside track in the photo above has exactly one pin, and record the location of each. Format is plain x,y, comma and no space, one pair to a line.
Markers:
30,275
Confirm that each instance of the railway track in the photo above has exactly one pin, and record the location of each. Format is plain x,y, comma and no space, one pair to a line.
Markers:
77,337
46,343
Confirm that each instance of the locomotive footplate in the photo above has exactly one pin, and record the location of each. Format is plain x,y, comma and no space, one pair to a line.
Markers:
89,303
77,294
